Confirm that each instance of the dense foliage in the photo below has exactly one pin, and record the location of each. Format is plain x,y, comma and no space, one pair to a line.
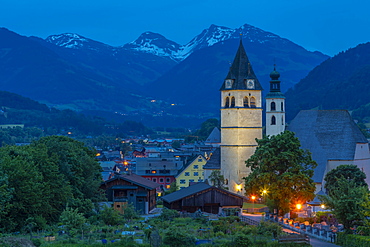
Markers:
348,172
348,196
283,169
329,85
39,180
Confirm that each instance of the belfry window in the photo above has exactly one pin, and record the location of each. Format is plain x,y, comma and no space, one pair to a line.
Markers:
273,106
273,120
282,106
245,102
253,102
227,103
232,102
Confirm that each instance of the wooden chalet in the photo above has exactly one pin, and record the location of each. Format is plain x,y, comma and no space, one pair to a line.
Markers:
202,196
133,189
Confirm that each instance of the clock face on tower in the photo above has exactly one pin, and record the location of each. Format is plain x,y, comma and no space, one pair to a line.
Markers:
228,83
250,83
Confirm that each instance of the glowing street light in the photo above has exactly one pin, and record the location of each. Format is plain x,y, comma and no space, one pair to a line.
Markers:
299,206
253,198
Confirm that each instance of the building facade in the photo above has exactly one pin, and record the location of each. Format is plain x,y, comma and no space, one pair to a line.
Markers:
241,119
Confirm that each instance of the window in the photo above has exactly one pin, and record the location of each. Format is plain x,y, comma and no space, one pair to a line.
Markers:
148,178
191,180
282,120
196,174
273,106
282,106
232,102
253,102
154,180
196,166
245,102
187,173
161,180
273,120
168,180
200,180
227,102
182,181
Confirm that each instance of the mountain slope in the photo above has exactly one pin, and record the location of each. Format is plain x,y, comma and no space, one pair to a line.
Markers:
340,82
195,82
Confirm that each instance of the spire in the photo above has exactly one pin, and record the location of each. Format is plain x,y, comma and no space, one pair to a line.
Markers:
241,70
275,85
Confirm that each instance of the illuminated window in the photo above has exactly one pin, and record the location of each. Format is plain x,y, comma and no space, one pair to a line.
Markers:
168,186
227,102
245,102
253,102
232,102
154,171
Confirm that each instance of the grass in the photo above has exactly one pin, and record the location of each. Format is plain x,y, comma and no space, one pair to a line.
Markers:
251,205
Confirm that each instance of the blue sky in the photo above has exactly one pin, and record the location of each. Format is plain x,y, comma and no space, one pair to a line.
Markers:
328,26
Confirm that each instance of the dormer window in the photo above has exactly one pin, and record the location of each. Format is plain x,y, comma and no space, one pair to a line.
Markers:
228,83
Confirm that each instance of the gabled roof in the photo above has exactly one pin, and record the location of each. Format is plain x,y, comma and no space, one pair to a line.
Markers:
240,70
214,161
215,136
191,190
135,179
328,135
188,164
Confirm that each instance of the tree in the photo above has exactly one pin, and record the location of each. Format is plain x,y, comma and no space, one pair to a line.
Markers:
110,216
73,221
282,168
349,172
217,179
350,202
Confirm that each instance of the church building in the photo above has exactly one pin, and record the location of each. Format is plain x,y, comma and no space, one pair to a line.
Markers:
241,119
331,136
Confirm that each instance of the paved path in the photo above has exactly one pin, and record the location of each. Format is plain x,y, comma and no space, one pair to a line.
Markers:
313,241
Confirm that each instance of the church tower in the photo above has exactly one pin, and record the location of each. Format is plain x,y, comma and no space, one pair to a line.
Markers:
241,119
275,107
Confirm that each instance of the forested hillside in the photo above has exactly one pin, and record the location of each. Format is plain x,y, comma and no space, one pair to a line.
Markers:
341,82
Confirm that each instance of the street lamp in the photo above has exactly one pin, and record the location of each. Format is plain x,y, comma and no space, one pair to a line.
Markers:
264,192
253,198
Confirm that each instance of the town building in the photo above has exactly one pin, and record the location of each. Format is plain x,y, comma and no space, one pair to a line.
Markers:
132,189
192,172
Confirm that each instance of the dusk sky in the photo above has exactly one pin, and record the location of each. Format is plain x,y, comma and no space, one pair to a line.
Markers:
329,26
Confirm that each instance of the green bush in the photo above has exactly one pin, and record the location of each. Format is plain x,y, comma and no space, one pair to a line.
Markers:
353,240
363,230
177,237
269,228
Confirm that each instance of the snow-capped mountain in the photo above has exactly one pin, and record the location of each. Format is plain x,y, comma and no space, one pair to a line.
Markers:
75,41
156,44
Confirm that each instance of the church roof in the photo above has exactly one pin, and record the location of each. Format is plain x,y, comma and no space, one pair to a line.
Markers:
214,137
328,135
215,160
240,71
